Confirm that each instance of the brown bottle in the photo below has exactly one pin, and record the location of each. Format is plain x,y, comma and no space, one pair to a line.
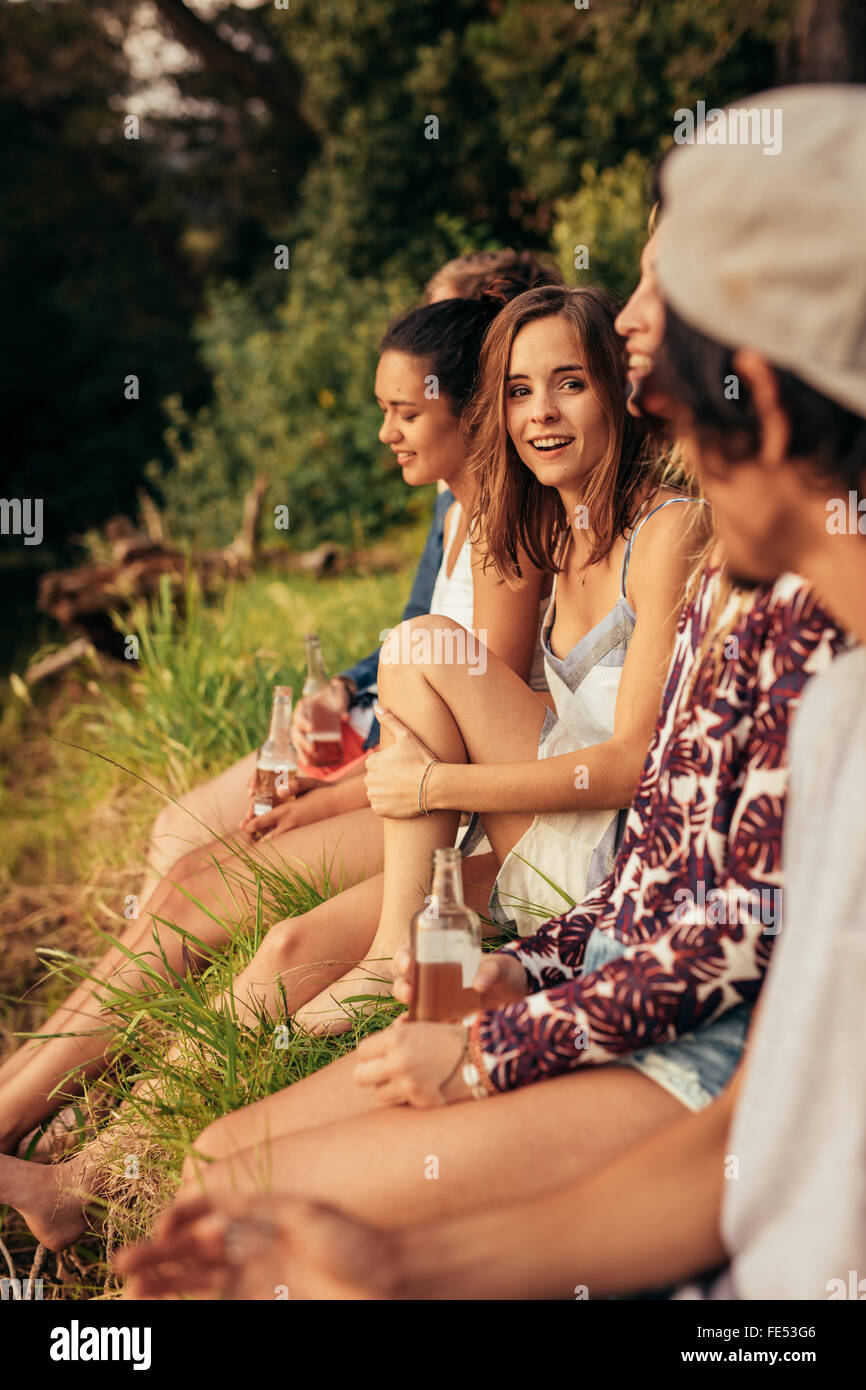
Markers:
277,763
326,735
446,947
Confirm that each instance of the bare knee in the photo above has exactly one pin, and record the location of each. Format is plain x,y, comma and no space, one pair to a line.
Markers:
423,648
287,941
170,820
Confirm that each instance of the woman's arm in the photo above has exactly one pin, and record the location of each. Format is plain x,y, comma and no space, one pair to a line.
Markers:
604,776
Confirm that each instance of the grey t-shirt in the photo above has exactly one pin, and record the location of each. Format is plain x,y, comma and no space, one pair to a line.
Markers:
795,1217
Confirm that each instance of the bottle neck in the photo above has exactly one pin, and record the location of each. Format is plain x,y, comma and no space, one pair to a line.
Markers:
315,665
279,730
448,878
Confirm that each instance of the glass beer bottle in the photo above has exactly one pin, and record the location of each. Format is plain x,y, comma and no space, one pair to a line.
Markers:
326,735
446,947
277,764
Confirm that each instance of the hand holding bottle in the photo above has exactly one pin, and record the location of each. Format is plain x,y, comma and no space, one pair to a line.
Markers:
499,980
294,810
307,715
414,1064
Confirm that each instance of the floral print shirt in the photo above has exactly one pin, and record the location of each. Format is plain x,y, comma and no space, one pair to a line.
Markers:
695,893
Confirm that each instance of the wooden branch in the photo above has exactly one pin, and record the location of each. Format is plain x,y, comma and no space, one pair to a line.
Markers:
58,661
245,545
150,515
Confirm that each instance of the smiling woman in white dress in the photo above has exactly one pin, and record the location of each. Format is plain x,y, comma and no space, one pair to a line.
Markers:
565,478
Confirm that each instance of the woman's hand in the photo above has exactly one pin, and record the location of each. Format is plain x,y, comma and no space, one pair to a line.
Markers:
259,1247
408,1063
294,811
500,979
394,774
300,786
336,696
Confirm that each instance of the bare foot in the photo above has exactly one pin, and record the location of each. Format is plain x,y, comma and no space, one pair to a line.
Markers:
356,995
48,1196
69,1128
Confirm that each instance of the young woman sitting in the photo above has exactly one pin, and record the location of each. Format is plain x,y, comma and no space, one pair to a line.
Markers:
213,887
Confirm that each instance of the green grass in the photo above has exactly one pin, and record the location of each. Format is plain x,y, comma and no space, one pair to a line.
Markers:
88,765
76,815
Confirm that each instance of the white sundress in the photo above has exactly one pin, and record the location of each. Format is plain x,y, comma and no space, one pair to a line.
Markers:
574,849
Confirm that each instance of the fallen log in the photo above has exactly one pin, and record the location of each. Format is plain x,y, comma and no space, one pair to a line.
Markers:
83,600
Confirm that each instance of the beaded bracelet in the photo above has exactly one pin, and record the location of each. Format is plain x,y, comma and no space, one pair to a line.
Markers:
422,787
474,1072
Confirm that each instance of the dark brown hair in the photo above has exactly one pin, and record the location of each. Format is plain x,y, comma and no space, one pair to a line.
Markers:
694,368
517,513
447,337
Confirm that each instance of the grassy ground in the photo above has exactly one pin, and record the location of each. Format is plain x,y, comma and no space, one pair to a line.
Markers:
74,829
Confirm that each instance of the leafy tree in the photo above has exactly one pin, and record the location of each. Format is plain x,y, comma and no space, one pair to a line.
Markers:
599,231
292,398
308,127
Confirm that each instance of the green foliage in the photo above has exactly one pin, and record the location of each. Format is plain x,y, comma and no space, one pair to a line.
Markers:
305,127
292,398
598,82
199,696
608,215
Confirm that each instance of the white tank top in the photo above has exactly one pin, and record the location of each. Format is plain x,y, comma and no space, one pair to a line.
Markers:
454,595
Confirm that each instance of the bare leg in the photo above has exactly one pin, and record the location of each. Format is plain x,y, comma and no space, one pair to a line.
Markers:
400,1166
462,715
217,807
352,842
303,955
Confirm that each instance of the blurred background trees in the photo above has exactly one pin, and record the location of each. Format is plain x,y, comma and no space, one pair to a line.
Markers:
262,127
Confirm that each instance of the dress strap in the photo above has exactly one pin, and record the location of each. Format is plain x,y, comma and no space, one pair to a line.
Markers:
452,515
634,535
449,532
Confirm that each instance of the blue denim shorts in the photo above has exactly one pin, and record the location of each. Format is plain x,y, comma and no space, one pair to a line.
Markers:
693,1067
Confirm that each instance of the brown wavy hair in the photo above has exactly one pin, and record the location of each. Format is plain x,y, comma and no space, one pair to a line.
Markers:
514,511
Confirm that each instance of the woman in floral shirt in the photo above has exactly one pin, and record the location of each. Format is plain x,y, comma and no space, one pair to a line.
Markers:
680,934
